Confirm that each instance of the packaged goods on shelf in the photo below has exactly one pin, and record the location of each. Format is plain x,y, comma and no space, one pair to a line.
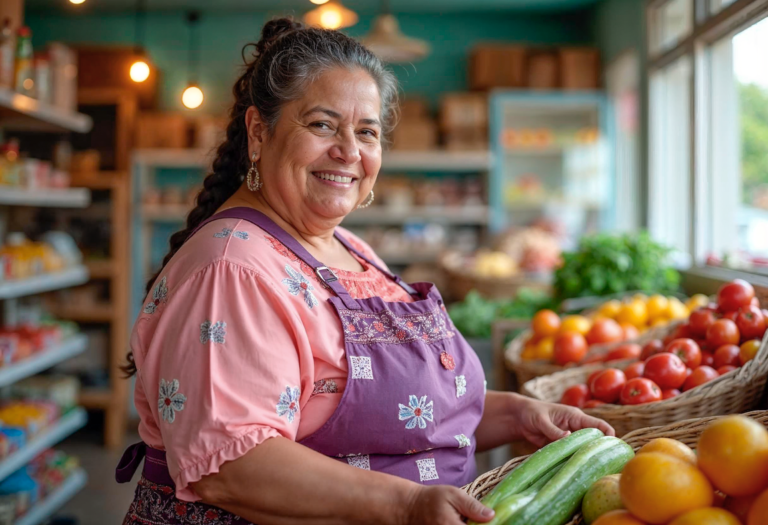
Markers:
19,171
21,258
413,108
7,54
415,135
543,70
21,342
463,111
494,66
580,68
63,76
24,75
32,417
61,390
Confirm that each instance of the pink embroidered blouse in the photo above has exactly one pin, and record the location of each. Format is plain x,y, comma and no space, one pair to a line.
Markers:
236,343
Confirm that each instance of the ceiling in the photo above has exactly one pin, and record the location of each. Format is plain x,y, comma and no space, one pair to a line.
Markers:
361,6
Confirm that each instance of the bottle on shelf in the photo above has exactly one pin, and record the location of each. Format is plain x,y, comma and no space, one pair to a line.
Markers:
7,53
25,70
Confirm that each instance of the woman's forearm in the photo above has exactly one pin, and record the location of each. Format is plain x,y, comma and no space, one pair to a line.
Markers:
280,482
497,426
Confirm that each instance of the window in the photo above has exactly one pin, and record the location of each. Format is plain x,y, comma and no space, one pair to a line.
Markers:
671,23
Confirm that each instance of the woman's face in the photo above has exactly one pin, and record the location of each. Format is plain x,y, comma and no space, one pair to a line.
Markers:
323,157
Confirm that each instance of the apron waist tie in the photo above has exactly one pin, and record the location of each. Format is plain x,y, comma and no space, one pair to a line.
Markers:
155,466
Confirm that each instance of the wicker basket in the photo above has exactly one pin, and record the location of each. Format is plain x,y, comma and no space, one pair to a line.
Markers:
735,392
527,369
460,284
687,431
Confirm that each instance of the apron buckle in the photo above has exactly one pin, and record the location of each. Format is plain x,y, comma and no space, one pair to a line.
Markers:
331,279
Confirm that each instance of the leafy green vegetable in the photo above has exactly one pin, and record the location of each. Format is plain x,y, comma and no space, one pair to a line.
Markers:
607,264
473,316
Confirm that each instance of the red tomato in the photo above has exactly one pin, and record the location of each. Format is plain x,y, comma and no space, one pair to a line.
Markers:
625,351
652,347
755,302
668,394
687,350
723,332
704,346
666,370
634,370
593,403
576,396
734,295
750,322
725,369
630,331
707,358
605,331
640,390
700,376
731,316
688,373
700,321
606,387
765,313
592,377
727,355
570,347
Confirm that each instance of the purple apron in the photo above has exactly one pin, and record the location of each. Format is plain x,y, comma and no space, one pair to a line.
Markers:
413,399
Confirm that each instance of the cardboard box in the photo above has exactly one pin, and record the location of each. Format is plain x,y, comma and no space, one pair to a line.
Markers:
463,111
415,135
161,130
466,140
414,108
497,66
543,70
579,68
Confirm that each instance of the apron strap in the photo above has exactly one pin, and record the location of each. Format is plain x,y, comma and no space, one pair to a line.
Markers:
130,462
257,218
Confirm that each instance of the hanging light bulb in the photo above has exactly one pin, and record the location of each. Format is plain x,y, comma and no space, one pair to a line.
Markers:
192,97
318,2
76,2
140,69
331,15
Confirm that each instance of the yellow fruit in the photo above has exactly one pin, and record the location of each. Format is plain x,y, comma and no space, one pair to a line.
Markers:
610,309
657,487
545,323
676,309
758,514
618,517
529,353
709,516
671,447
661,321
545,349
657,306
640,297
697,301
733,453
575,323
634,313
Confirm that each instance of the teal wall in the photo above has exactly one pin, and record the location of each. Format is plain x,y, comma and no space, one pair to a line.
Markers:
619,25
224,34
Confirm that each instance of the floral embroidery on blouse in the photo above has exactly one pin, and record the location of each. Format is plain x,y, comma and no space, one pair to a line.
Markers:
385,327
362,462
297,284
461,386
170,400
361,367
418,412
159,295
289,403
213,332
325,386
223,234
427,469
241,235
463,440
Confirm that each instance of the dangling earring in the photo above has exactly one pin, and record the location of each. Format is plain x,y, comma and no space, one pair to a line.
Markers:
253,179
366,203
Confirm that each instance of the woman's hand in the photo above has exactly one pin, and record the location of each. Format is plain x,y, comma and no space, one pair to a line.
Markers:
541,423
444,505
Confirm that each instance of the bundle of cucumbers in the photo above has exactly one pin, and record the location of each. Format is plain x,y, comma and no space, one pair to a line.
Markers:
547,488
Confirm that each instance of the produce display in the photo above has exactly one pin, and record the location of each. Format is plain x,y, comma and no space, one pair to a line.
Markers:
709,345
474,316
548,487
724,483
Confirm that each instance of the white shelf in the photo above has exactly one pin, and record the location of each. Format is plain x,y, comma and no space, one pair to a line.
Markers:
44,283
173,158
60,198
165,213
23,113
446,215
55,500
535,204
551,151
43,360
66,426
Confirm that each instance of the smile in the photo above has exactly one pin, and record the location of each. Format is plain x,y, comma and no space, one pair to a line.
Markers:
333,178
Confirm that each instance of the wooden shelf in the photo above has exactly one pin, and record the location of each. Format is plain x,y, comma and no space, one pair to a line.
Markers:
23,113
100,269
99,180
48,197
95,398
84,314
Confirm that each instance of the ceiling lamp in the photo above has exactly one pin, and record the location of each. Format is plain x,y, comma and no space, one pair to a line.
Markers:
388,43
331,15
318,2
140,70
193,97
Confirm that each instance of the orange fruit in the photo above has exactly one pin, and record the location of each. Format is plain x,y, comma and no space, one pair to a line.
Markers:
657,306
758,513
610,309
634,313
733,453
617,517
575,323
658,487
545,349
739,506
545,323
710,516
748,350
670,447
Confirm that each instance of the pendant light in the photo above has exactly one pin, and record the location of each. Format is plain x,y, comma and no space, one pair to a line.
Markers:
140,70
388,43
193,97
331,15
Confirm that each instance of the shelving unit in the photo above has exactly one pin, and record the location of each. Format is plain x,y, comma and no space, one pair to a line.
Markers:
21,113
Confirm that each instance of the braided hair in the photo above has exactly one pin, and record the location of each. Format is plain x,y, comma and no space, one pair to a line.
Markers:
286,60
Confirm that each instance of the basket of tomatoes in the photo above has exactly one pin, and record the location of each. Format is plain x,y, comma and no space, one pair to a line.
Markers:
554,343
715,364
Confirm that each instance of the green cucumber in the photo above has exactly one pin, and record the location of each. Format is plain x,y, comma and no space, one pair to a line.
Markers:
559,499
507,507
539,463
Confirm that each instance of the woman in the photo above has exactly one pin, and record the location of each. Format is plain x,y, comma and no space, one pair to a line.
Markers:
284,376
